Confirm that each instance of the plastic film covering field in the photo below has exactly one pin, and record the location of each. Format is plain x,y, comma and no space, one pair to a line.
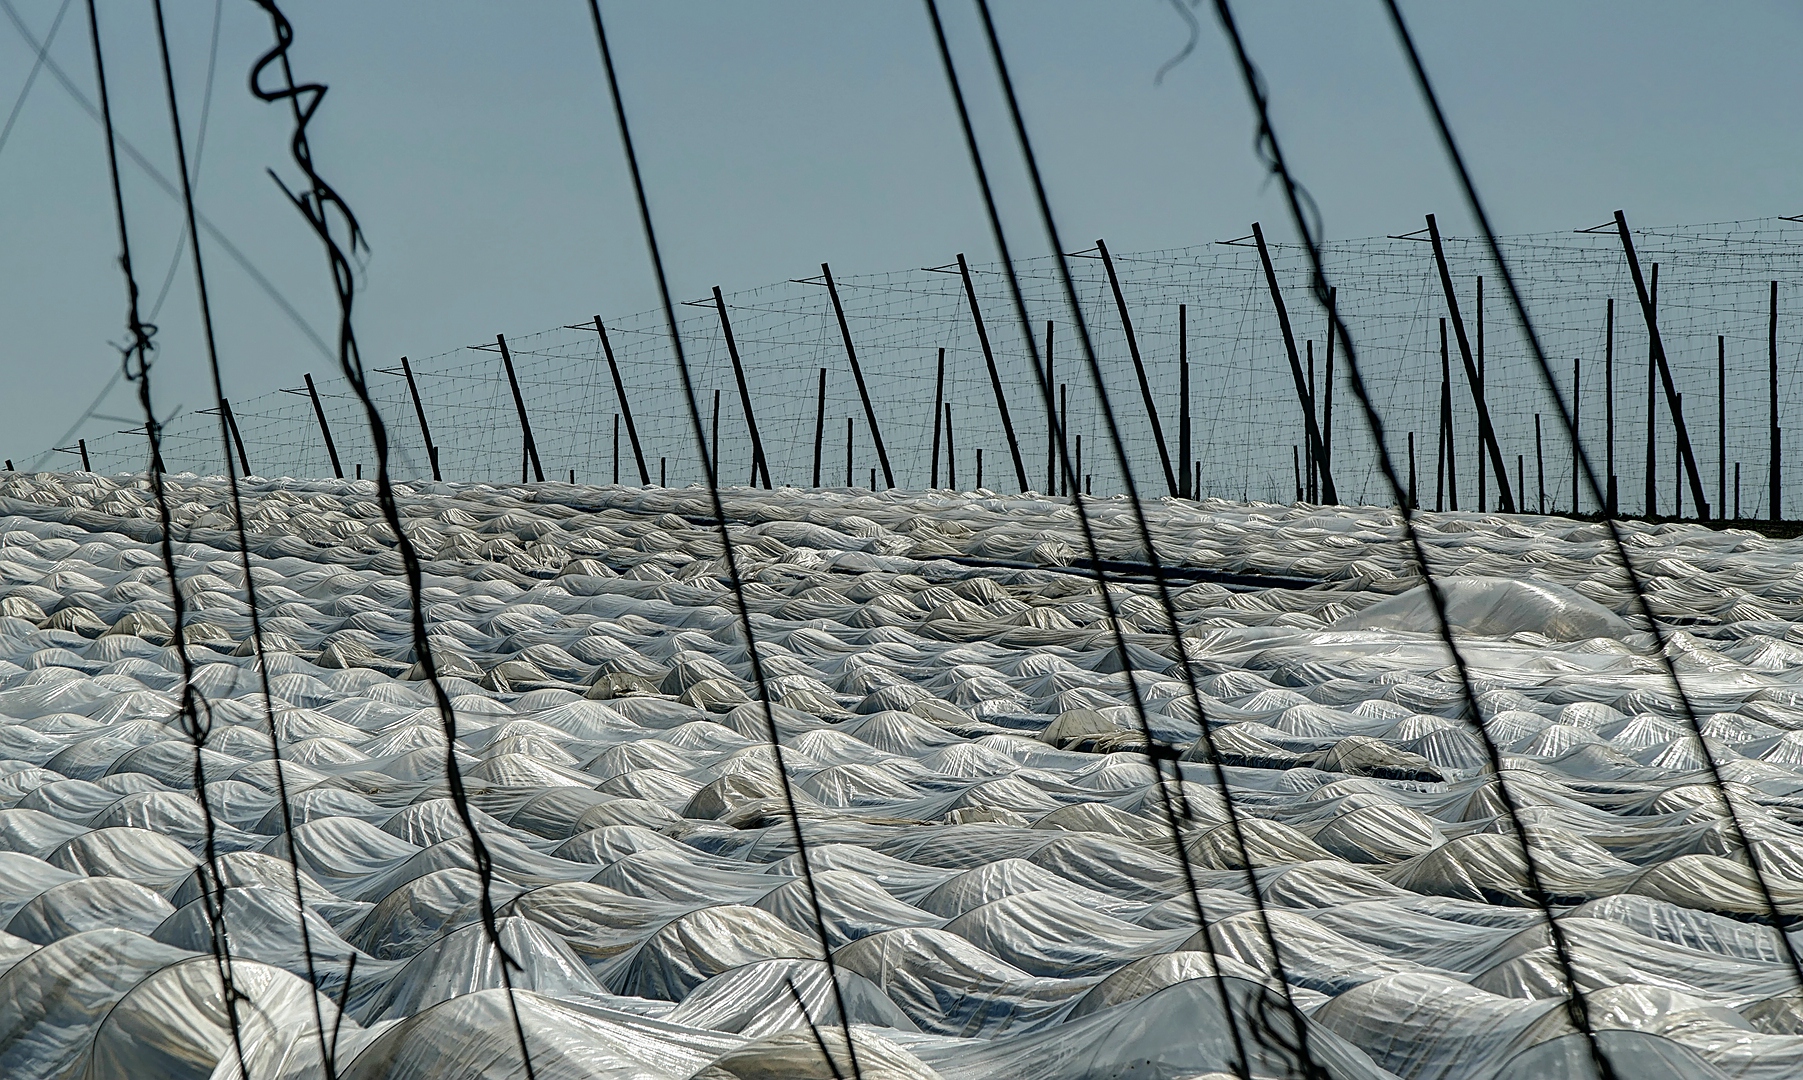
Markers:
995,871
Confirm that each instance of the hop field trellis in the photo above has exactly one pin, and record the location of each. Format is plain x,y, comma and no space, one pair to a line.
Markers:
1713,280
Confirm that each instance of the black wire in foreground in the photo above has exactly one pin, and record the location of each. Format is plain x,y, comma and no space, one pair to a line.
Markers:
732,566
323,209
1306,219
1544,370
1174,810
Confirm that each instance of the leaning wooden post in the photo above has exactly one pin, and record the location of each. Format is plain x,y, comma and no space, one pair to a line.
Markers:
519,404
938,421
632,430
995,376
419,410
758,464
231,425
320,412
1486,431
1139,368
1289,343
1665,375
857,373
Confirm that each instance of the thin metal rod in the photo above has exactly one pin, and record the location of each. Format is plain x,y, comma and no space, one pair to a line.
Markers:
419,410
1665,375
1289,344
320,412
1139,368
995,376
758,464
632,430
1486,433
519,404
857,373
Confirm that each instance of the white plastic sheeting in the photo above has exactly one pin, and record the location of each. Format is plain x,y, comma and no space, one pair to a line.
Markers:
999,887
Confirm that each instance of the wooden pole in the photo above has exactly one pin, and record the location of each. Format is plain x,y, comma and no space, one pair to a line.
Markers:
519,404
1333,308
951,451
1772,388
1051,444
616,450
713,448
419,410
1576,444
1694,477
848,428
1652,409
1183,403
1414,502
1609,405
231,424
1521,482
1296,463
324,430
1486,432
1313,396
1064,434
1289,344
1139,369
1721,426
1539,464
995,376
663,472
632,429
759,466
938,403
857,374
1501,481
820,419
979,469
1452,472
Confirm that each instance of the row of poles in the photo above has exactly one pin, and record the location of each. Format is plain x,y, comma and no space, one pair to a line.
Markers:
1311,461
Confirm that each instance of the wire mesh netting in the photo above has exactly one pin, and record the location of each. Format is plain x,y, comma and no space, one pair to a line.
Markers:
1248,432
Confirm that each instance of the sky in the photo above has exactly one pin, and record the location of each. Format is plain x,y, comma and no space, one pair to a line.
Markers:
476,145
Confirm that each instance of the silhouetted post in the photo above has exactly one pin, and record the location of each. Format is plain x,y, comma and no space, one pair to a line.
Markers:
1296,463
848,426
1313,396
419,410
616,450
1139,369
519,404
1501,481
1452,446
1721,425
979,470
320,412
820,420
951,451
873,480
857,374
759,466
1051,444
1521,483
1609,405
632,429
1079,469
663,474
1575,444
1333,308
1691,472
1289,345
231,425
1737,516
82,446
713,448
1183,405
1414,502
1064,434
995,376
1486,432
1539,464
1652,402
1772,387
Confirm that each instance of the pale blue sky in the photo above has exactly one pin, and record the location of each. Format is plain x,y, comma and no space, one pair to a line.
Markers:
474,141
